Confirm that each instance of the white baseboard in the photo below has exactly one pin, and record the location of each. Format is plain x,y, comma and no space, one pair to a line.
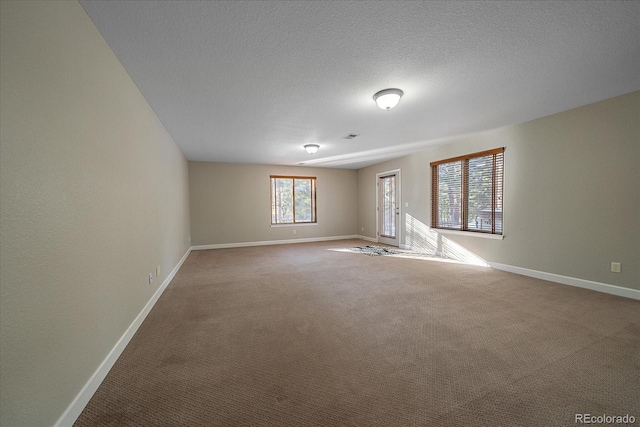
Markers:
368,239
75,409
272,242
571,281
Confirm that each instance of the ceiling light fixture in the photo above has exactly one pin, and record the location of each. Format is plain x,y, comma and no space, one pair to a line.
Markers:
311,148
388,98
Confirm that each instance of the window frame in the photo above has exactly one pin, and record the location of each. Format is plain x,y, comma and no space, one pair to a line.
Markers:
464,227
313,199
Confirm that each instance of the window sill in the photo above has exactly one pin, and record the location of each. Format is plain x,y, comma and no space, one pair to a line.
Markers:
469,234
300,224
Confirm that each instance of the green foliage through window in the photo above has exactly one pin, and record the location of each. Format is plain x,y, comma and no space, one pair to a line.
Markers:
467,192
293,200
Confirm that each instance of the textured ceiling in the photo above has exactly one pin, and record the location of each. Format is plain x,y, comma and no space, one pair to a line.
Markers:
252,82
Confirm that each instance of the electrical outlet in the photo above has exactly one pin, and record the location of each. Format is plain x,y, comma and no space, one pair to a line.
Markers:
294,232
362,228
158,271
615,267
150,278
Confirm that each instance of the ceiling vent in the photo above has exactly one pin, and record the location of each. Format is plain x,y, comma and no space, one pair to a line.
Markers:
351,136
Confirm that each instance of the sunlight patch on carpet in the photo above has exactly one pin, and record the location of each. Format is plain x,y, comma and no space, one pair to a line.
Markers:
372,250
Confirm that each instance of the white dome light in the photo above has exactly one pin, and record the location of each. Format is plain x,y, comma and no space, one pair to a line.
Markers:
388,98
311,148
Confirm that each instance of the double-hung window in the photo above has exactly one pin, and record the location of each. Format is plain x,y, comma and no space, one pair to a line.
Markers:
466,192
293,200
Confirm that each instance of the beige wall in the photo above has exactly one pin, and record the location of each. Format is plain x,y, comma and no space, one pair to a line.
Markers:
571,198
94,195
230,203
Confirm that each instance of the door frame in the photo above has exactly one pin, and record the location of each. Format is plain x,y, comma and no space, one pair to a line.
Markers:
396,172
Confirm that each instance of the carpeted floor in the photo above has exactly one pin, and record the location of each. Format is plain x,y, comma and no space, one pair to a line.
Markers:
299,335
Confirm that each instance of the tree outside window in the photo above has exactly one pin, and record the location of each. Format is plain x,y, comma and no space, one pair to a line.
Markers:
467,192
293,200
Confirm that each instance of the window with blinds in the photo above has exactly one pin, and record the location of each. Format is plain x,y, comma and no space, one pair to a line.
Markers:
466,192
293,200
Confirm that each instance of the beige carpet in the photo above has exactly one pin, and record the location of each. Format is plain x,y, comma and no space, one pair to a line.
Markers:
299,335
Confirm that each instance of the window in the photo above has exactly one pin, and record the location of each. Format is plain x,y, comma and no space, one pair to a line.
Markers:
293,200
466,192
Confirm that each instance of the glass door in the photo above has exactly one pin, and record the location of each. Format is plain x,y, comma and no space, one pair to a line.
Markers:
388,208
